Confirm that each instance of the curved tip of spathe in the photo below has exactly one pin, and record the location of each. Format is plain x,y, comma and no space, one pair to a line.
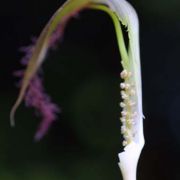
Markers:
12,120
15,106
12,115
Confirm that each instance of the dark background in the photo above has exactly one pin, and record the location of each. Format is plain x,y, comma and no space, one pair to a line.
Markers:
82,77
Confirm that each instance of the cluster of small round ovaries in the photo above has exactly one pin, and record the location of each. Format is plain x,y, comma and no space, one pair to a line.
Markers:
128,113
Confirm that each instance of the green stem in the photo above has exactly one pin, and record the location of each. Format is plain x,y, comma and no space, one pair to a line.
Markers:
119,33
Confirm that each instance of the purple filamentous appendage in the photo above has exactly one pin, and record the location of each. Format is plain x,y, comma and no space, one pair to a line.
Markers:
38,99
35,96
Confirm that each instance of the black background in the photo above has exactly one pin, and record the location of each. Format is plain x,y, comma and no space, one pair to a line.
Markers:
82,77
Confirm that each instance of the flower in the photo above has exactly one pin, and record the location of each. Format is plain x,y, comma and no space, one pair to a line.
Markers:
131,116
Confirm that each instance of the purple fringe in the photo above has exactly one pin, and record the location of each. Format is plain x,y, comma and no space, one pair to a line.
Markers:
35,96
